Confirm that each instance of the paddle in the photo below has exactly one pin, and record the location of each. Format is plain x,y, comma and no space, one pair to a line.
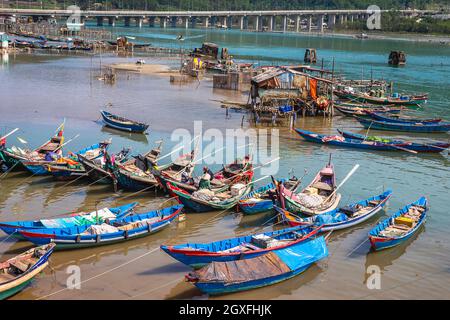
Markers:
401,148
8,134
356,167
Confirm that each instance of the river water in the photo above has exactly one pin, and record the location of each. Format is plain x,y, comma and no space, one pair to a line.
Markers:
38,91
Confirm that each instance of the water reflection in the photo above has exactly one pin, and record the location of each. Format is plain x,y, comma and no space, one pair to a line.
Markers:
385,258
141,138
4,58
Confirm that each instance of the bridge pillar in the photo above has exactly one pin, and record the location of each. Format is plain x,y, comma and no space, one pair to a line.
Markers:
99,21
127,21
320,22
193,22
186,22
112,21
298,23
173,22
163,22
310,23
214,21
241,20
258,23
207,22
230,22
271,23
224,21
344,18
331,21
285,23
352,18
138,22
151,22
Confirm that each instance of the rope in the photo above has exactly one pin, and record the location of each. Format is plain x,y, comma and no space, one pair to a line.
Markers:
101,274
157,288
8,171
121,265
9,236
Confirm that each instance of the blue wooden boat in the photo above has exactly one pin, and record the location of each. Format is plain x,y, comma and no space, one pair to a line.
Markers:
257,201
115,231
361,109
268,269
71,168
404,127
218,201
364,144
433,147
19,272
41,167
400,227
76,219
262,199
374,114
197,255
404,100
341,218
123,124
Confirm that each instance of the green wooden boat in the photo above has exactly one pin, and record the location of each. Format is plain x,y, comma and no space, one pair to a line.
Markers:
19,272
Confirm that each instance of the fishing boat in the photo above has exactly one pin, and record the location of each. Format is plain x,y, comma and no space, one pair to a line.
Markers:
434,147
365,144
113,231
197,255
68,168
268,269
75,219
318,197
139,174
361,111
19,272
123,124
402,100
233,173
206,200
13,157
101,169
400,227
263,199
404,127
341,218
374,114
64,167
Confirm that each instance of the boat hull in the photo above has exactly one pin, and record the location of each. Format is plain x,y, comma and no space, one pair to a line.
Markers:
391,126
219,288
135,128
379,243
256,207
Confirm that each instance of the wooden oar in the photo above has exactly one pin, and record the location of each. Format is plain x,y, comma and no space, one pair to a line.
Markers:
356,167
8,134
401,148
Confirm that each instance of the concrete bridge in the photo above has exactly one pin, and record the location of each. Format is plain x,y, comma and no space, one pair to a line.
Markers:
282,20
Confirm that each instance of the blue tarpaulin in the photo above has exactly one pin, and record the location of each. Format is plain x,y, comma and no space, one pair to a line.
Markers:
303,254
